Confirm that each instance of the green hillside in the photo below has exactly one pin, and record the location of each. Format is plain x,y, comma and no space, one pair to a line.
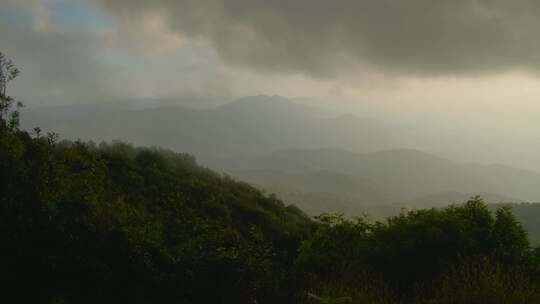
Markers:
116,224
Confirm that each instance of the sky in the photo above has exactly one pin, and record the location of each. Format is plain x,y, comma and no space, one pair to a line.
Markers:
467,69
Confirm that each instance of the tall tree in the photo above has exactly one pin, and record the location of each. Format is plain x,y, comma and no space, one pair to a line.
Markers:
8,72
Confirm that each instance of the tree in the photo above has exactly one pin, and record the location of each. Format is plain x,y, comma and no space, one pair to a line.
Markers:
511,242
8,72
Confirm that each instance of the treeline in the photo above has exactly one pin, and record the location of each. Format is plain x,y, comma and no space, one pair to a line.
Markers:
528,215
460,254
110,223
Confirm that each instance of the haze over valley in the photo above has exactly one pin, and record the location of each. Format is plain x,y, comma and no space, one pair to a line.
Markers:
316,159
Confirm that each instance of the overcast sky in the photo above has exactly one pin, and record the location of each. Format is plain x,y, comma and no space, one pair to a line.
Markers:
469,69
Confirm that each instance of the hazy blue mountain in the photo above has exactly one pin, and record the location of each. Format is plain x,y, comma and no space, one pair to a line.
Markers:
399,177
454,197
250,125
298,152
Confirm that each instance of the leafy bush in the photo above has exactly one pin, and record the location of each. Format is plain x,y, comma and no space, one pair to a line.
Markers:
410,249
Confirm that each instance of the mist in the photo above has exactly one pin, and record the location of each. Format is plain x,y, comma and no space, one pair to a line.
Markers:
456,81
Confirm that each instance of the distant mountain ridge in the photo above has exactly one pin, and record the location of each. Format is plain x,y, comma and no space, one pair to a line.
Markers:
399,177
250,125
298,152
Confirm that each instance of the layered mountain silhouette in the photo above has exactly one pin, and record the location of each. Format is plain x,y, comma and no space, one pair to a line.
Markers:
303,154
251,125
399,178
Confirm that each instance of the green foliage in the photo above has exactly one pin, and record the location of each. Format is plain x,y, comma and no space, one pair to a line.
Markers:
335,247
481,280
321,300
412,248
8,72
368,290
528,215
82,223
185,227
511,243
137,224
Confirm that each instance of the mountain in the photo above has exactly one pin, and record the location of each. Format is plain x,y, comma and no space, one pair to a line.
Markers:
301,153
250,125
454,197
389,179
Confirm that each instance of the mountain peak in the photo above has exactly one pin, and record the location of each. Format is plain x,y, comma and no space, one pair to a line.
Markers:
258,100
263,104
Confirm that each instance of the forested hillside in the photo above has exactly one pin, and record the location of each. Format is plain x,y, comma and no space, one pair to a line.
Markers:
115,223
529,216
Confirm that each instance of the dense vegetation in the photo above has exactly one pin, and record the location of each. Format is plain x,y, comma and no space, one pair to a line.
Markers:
110,223
87,224
528,215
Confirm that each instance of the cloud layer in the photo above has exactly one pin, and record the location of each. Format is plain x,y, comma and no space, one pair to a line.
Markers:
322,38
410,60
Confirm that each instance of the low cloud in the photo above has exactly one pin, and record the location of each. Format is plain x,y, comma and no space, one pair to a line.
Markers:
57,67
325,38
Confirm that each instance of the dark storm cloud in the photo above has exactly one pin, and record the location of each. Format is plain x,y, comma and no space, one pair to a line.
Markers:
322,37
57,67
